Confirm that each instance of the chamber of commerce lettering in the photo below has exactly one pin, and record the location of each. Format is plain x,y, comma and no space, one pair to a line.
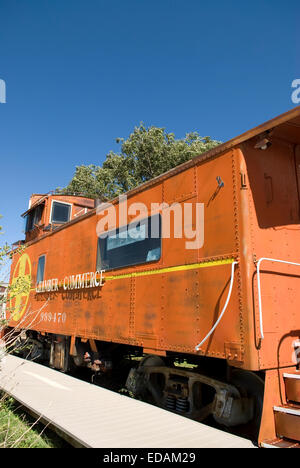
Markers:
79,281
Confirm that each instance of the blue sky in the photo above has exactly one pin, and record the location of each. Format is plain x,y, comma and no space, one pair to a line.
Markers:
81,73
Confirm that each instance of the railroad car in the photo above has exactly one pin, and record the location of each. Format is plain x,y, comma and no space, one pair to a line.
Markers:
187,288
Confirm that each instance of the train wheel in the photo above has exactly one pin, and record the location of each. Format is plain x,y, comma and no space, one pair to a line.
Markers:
156,383
250,385
151,361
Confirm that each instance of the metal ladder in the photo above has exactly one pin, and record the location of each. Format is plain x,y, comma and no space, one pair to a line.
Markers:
287,417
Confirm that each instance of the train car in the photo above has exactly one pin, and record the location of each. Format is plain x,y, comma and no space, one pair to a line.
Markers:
193,278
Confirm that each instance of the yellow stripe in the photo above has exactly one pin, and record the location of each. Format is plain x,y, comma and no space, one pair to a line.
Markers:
193,266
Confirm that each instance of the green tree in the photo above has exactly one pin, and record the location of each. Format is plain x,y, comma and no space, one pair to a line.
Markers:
147,153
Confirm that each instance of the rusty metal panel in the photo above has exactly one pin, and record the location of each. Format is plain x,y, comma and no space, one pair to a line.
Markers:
132,307
270,229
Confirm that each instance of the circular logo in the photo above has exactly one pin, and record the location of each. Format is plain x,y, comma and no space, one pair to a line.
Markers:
19,297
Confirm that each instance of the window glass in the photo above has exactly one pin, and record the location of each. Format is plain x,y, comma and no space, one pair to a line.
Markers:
37,215
34,217
29,222
41,269
60,212
131,245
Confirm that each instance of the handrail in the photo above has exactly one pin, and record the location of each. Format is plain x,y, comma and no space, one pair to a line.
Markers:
263,259
224,308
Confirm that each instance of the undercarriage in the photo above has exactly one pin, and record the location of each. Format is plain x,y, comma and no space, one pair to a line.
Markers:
207,389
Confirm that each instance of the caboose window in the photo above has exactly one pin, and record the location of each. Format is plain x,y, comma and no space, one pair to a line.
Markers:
41,269
130,245
60,212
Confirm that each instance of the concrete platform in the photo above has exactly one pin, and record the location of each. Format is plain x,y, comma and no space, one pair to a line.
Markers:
95,417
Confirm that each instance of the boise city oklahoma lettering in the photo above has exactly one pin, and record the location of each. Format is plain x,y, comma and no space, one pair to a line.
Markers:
80,281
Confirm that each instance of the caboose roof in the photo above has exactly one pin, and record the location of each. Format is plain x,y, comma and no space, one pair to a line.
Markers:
36,203
39,201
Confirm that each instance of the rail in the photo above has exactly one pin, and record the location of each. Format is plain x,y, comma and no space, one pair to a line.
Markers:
223,310
265,259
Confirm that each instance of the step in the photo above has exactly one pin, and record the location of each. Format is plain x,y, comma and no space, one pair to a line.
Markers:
287,422
292,386
280,443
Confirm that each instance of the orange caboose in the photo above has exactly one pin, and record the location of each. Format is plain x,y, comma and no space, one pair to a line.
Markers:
200,265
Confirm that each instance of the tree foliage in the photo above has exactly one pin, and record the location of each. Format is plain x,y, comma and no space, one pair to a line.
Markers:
147,153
